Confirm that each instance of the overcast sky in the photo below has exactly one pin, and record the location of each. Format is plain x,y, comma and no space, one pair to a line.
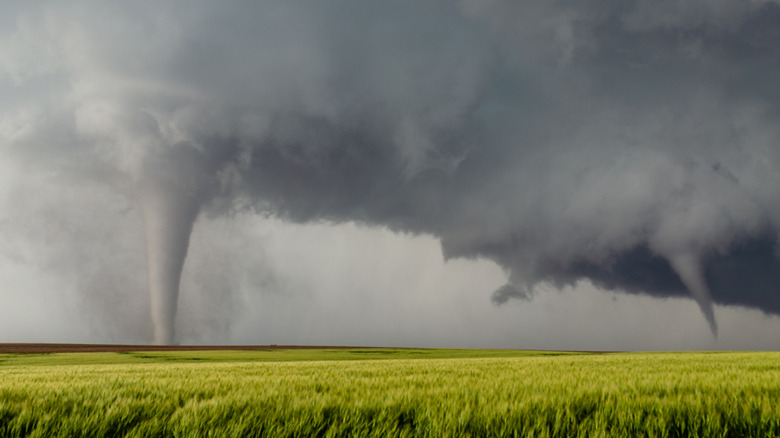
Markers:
474,173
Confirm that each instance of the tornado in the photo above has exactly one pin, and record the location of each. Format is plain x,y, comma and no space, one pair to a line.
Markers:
169,213
689,268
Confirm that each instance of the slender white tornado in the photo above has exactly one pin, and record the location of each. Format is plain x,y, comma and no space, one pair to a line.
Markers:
169,213
689,269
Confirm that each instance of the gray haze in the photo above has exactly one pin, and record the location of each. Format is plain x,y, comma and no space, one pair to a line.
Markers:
596,148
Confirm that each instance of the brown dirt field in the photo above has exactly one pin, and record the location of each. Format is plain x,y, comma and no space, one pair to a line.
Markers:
121,348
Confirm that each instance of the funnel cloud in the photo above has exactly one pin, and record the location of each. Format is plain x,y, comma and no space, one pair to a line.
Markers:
168,219
633,145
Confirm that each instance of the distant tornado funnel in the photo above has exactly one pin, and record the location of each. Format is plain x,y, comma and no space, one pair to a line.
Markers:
688,267
169,213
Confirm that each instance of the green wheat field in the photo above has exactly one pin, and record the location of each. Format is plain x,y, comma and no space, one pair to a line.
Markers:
390,392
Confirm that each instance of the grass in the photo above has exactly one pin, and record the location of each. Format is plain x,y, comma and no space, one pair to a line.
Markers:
151,357
390,393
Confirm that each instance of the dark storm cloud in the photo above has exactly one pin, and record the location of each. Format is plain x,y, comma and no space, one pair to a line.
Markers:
631,143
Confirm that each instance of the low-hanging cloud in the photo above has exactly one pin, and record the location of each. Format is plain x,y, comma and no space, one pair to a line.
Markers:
634,144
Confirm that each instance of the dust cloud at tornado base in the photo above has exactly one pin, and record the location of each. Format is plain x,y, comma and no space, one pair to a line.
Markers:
632,146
